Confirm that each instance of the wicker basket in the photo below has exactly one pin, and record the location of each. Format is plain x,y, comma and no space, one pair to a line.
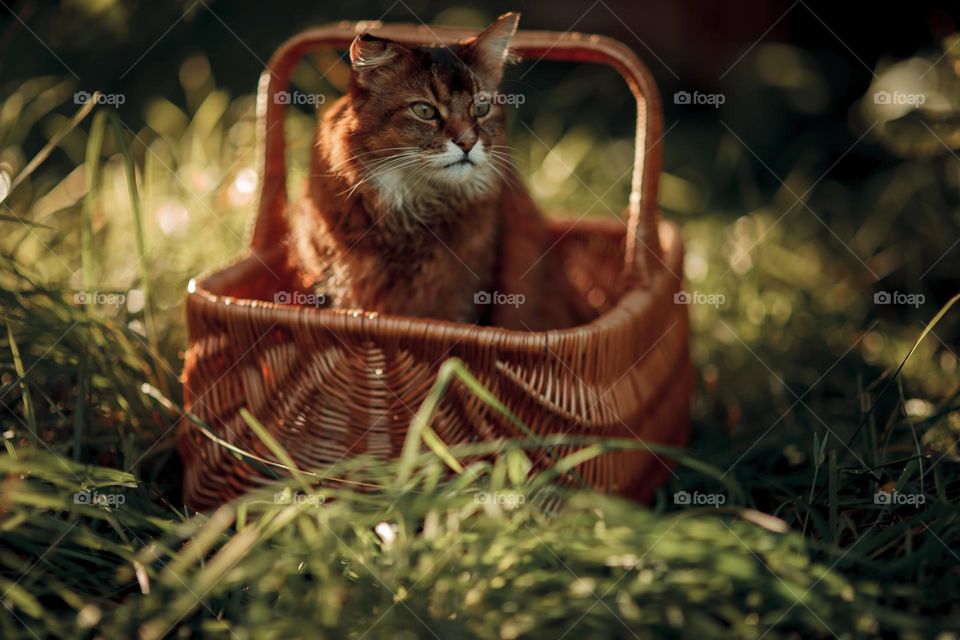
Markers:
335,383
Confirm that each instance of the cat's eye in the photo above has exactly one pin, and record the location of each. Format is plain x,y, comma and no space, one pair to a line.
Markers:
481,108
424,111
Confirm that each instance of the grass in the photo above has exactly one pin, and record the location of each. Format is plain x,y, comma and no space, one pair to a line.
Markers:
811,398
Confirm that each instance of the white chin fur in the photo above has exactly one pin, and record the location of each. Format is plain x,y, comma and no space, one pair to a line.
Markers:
417,189
450,171
457,174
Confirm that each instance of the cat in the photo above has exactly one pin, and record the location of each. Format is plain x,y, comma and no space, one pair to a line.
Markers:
412,206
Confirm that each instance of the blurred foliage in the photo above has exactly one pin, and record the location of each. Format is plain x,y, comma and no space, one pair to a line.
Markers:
795,207
917,103
428,558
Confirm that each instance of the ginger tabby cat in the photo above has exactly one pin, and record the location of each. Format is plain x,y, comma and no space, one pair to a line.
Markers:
412,207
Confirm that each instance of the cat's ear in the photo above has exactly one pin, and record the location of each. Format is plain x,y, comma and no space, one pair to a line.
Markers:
490,49
370,56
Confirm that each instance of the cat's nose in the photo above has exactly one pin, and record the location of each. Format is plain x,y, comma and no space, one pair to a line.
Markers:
465,143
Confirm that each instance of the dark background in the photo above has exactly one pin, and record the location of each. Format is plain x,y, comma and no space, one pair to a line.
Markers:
687,44
697,39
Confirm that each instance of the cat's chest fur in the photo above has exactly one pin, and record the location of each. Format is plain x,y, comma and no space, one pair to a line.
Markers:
347,252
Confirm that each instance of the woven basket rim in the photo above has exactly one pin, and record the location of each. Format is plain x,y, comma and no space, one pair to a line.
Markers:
631,303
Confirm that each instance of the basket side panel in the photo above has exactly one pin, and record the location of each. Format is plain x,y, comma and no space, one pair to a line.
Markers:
346,386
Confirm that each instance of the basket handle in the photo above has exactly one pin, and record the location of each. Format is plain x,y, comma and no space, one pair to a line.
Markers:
643,252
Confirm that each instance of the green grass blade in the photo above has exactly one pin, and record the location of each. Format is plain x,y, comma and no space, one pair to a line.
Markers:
140,237
419,428
275,448
94,147
80,411
28,409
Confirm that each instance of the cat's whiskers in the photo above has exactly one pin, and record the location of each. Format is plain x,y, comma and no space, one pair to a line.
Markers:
382,167
383,163
409,191
388,179
396,190
340,165
363,154
503,163
414,188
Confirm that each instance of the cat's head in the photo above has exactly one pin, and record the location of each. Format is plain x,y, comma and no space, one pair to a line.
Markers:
426,120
